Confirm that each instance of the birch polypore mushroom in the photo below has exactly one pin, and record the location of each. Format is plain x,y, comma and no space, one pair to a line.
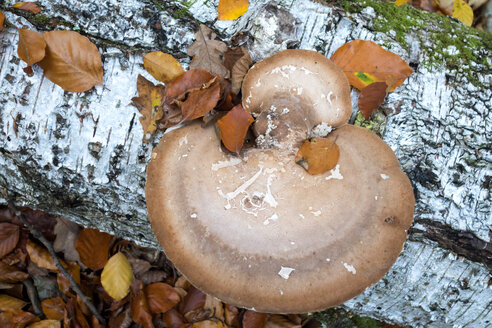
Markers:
257,231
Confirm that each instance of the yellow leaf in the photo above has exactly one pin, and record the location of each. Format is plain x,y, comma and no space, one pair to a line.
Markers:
10,303
117,276
463,12
232,9
401,2
163,67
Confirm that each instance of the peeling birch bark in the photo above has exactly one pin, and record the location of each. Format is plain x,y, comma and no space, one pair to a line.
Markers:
81,155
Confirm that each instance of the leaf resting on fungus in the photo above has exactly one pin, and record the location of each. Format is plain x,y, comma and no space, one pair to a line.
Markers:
371,97
232,9
117,276
365,62
233,128
318,155
31,47
71,61
207,52
163,67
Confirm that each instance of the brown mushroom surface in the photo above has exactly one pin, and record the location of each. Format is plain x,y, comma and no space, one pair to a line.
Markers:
259,232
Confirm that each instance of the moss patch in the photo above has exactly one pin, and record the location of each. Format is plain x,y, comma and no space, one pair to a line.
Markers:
337,317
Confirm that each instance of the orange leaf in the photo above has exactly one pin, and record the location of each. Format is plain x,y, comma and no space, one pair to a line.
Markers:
253,319
140,308
233,128
161,297
318,155
11,274
40,256
32,46
10,303
371,97
2,20
53,308
72,61
16,318
93,248
163,67
9,237
365,62
200,102
193,78
45,324
232,9
30,7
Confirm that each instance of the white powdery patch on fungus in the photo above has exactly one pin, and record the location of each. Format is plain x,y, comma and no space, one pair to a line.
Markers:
335,173
285,272
350,268
321,130
384,176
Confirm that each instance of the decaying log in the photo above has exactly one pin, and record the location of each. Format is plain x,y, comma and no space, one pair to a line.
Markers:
81,155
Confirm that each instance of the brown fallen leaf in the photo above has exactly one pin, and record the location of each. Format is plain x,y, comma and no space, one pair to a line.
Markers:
9,237
207,52
237,60
53,308
173,319
30,7
66,233
16,318
193,300
192,79
150,104
318,155
215,308
163,67
139,306
253,319
200,102
365,62
231,315
63,283
121,319
40,256
117,276
161,297
71,61
371,97
11,274
233,128
8,302
45,324
31,47
280,321
93,248
2,20
232,9
208,324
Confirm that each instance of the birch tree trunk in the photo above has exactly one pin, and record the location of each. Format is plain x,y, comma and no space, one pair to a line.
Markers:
81,155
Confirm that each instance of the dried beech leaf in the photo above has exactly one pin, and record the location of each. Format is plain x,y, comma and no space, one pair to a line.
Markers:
463,12
10,274
194,78
253,319
66,233
365,62
93,248
10,303
40,256
214,307
193,300
122,319
53,308
371,97
280,321
45,324
72,61
400,2
15,318
207,52
139,267
31,47
208,324
163,67
63,283
161,297
30,7
233,128
237,60
173,319
140,308
231,315
201,102
117,276
318,155
149,103
9,237
2,20
232,9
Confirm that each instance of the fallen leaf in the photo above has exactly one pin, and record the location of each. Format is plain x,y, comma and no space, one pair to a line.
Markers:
63,284
401,2
17,257
10,303
201,102
163,67
66,233
72,61
9,274
208,324
173,319
53,308
207,52
192,79
463,12
30,7
215,307
371,97
193,300
140,308
232,9
253,319
161,297
117,276
231,315
150,104
139,266
280,321
77,315
45,324
365,62
2,20
237,60
40,256
318,155
121,319
9,237
93,248
233,128
15,318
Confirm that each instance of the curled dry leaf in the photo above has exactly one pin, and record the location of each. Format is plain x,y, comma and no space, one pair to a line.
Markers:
117,276
40,256
232,9
163,67
200,102
318,155
93,248
31,47
371,97
192,79
253,319
161,297
207,52
9,237
365,62
30,7
45,324
237,60
233,128
140,308
11,274
72,61
10,303
53,308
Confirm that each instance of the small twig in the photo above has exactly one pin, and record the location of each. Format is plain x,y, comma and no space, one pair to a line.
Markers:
38,235
32,293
